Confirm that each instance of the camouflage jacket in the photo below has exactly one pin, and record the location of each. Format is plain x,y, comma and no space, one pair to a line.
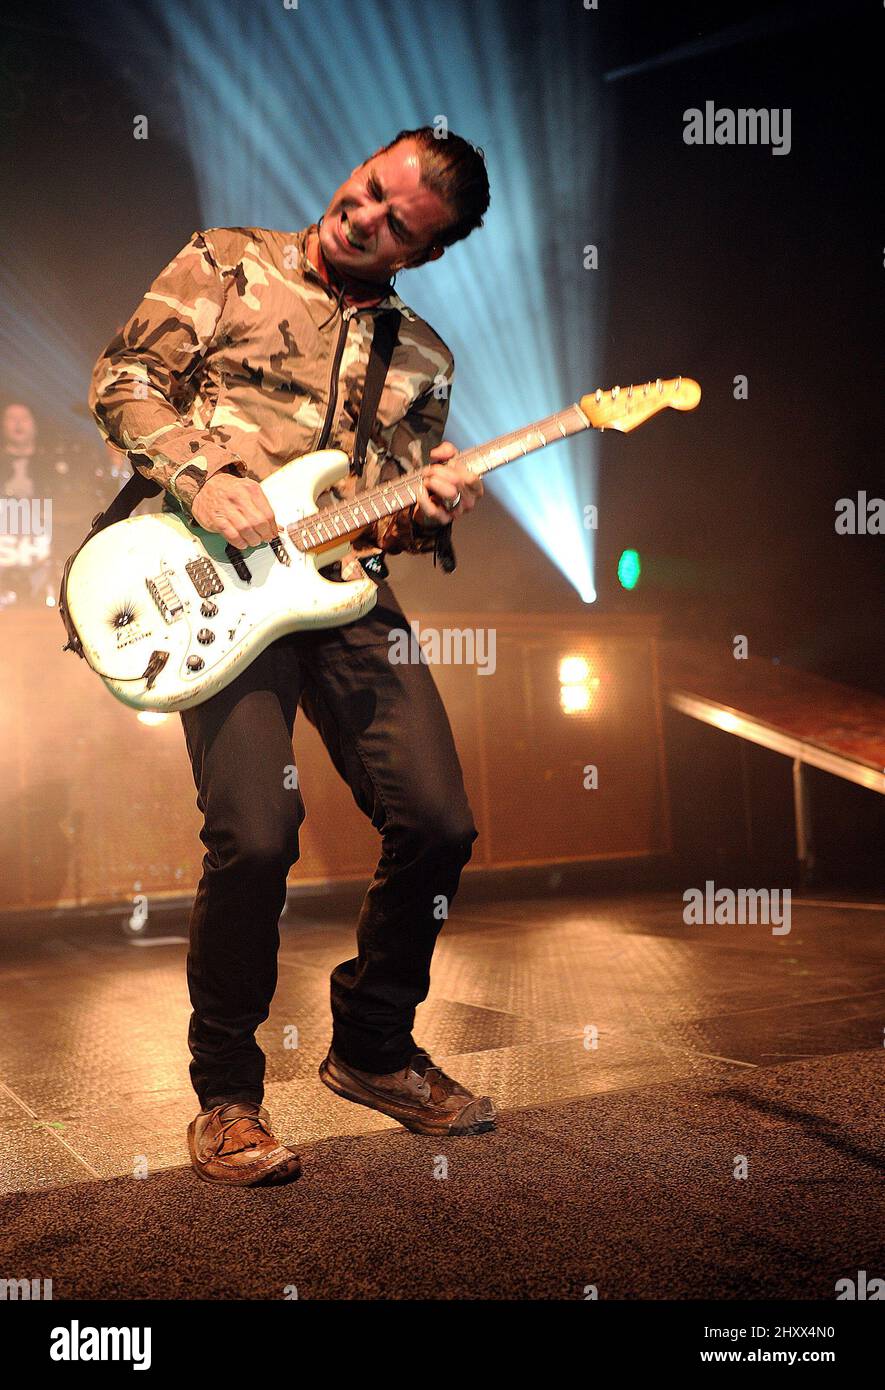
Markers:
240,355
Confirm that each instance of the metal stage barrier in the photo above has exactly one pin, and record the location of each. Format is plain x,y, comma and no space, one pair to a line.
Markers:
815,722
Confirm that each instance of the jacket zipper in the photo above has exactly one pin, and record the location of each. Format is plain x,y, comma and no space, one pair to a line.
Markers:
346,315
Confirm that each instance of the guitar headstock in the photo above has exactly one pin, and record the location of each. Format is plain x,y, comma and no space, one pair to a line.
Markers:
624,407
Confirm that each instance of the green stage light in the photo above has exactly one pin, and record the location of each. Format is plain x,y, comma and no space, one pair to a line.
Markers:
629,569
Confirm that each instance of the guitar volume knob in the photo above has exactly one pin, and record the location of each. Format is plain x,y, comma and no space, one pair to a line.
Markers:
205,636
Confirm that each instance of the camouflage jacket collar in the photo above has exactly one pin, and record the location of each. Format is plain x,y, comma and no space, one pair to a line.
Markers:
309,271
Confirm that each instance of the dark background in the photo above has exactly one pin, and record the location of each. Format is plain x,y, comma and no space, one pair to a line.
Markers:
714,262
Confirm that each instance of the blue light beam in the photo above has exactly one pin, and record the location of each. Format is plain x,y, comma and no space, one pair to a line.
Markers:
279,105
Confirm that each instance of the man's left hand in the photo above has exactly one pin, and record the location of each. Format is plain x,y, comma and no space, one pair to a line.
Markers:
444,483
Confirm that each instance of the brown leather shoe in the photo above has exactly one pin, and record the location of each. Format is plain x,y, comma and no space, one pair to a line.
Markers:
420,1096
234,1144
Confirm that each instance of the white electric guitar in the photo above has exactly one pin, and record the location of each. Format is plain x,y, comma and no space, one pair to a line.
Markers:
168,614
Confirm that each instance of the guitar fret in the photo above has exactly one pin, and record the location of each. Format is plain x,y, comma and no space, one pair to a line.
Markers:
383,501
343,520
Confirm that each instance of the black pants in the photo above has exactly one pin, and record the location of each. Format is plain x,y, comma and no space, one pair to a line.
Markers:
388,735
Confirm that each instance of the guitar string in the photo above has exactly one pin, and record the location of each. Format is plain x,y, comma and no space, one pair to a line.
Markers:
562,423
297,530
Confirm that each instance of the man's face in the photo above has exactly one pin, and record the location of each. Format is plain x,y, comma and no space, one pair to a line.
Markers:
18,426
383,218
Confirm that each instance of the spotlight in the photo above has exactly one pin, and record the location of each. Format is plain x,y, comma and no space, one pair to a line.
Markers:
575,699
573,670
577,685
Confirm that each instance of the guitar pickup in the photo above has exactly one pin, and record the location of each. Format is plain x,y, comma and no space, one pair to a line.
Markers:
280,551
204,577
165,597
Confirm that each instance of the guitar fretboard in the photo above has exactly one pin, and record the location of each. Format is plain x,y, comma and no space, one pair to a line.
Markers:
335,523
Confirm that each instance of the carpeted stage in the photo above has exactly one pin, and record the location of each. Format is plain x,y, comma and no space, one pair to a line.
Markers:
612,1165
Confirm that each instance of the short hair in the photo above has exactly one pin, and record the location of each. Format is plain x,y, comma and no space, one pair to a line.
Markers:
455,170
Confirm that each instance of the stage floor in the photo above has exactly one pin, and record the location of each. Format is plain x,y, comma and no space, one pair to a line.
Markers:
613,1164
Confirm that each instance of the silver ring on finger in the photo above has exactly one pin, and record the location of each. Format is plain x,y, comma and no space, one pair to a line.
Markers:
455,502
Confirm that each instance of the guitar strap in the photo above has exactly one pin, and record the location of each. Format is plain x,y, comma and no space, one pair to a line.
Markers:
137,488
383,342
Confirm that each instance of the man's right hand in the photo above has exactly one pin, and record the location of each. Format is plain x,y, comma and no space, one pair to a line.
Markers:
235,508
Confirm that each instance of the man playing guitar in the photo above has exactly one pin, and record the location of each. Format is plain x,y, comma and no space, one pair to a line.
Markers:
249,349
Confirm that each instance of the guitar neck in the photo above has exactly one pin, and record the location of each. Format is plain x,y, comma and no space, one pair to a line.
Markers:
336,524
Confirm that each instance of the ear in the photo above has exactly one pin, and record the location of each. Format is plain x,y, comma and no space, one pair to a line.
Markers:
423,258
